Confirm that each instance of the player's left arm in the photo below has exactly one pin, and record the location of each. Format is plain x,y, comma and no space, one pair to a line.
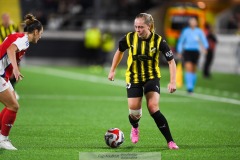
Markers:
172,65
172,69
204,39
11,52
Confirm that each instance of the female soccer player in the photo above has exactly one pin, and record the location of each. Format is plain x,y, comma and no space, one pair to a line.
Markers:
143,74
190,42
6,28
11,51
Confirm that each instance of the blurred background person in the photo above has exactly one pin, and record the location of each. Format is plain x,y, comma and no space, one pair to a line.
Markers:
233,23
212,41
92,42
108,45
191,42
8,27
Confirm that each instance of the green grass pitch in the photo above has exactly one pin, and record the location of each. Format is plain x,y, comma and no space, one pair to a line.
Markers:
67,110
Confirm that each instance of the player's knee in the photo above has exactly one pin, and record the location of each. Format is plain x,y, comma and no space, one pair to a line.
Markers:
152,105
152,108
14,106
135,114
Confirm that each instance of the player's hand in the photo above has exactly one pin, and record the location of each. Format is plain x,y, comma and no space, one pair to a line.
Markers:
111,76
18,76
172,87
179,56
204,51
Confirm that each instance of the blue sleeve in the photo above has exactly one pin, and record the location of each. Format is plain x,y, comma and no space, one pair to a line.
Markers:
204,39
181,41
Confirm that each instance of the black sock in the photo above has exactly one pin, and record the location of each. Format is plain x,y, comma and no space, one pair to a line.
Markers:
162,124
133,122
13,81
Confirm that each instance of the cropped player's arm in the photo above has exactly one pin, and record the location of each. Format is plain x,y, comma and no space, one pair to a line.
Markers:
181,41
172,70
204,42
172,65
180,44
11,52
116,60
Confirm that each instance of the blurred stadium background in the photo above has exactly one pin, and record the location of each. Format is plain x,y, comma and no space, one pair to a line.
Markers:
66,22
67,106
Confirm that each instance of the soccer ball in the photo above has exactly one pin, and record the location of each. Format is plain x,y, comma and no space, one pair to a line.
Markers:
114,137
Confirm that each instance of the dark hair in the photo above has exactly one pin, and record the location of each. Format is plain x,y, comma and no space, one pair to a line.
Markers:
148,20
31,23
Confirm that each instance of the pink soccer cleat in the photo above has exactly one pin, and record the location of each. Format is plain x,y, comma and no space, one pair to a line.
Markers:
134,135
172,145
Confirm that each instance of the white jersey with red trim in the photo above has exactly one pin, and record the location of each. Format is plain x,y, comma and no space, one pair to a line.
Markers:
22,43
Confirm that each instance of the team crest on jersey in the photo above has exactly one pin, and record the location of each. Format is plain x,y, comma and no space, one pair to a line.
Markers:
153,50
27,43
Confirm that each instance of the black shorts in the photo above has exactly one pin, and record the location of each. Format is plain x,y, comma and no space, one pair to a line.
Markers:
137,90
191,56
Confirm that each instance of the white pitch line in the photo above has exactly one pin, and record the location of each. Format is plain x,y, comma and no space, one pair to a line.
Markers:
96,98
103,80
72,97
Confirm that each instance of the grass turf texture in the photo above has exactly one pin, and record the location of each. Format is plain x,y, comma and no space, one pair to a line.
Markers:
60,117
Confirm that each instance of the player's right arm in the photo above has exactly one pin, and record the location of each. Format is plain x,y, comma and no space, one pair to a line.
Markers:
116,60
123,45
11,52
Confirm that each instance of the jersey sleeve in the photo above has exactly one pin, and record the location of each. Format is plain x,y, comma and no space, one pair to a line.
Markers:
164,48
123,44
21,43
181,40
204,39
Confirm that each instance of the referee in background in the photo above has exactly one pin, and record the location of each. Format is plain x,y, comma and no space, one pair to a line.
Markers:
7,27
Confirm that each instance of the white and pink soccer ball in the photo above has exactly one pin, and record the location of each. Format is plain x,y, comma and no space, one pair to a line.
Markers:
114,137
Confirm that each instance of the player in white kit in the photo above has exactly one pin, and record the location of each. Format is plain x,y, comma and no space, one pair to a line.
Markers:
11,51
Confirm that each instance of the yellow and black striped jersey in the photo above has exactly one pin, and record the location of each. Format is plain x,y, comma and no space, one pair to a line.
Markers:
143,57
5,31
